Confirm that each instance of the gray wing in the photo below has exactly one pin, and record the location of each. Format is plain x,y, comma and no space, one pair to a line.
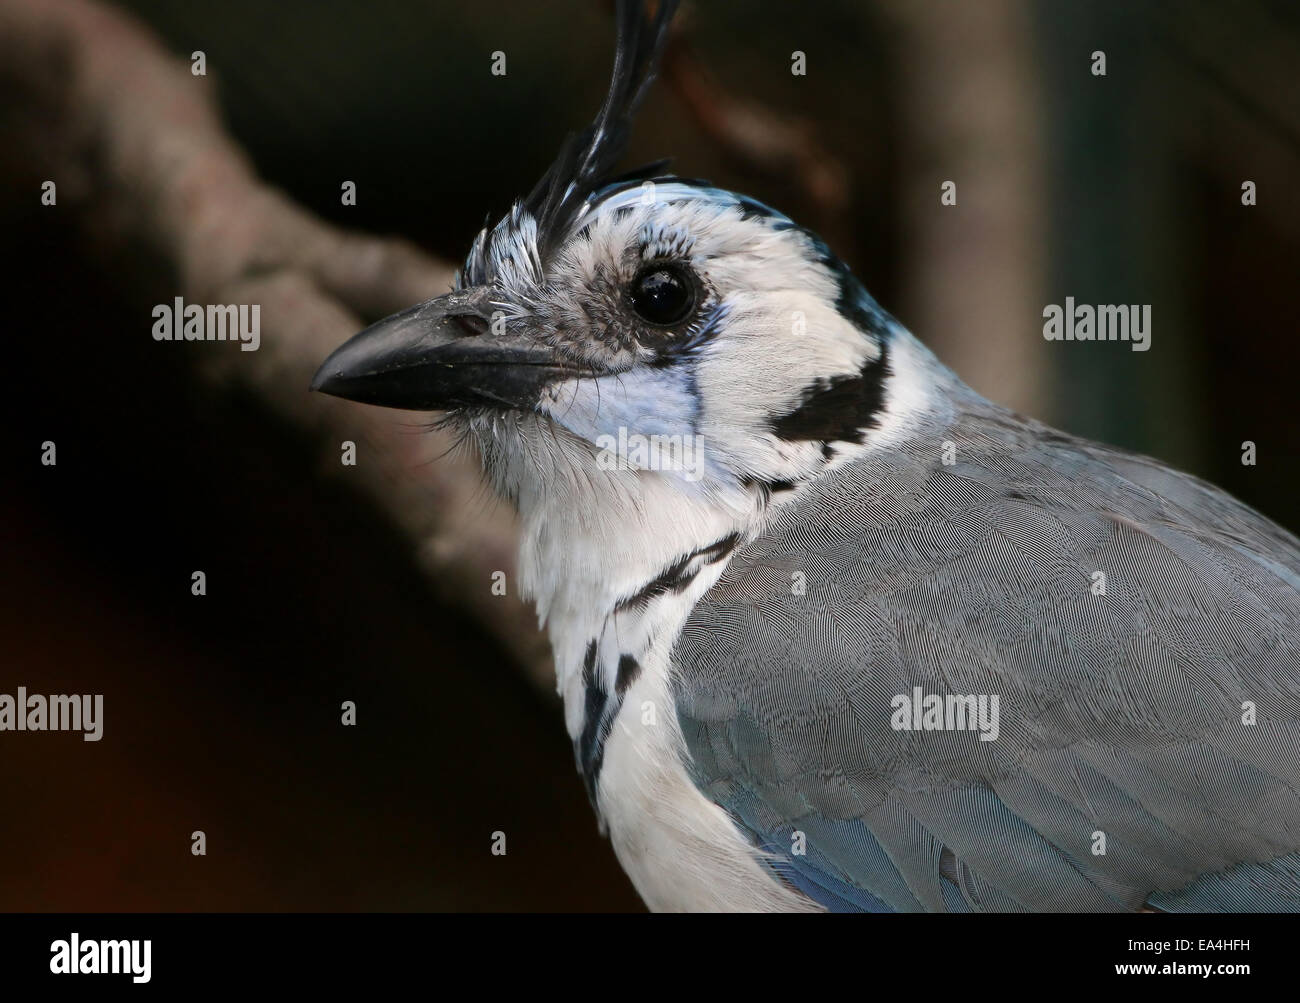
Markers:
1124,772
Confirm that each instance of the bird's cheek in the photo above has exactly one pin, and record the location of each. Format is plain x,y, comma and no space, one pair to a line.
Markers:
639,419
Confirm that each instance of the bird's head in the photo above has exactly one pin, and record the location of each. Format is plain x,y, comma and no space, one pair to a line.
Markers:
644,326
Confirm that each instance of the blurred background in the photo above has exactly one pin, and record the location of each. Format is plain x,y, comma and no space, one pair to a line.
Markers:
222,714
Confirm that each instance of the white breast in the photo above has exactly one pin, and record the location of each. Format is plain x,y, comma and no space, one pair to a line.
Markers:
577,561
682,852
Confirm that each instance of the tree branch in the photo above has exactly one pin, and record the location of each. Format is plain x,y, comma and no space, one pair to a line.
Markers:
135,145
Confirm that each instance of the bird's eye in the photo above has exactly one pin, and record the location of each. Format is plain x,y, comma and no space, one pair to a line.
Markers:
662,294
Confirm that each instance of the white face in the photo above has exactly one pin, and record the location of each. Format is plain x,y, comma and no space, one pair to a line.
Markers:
704,319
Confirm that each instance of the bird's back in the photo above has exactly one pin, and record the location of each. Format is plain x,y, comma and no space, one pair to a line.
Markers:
1131,633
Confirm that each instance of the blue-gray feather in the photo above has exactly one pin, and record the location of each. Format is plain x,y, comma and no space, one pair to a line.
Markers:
1121,713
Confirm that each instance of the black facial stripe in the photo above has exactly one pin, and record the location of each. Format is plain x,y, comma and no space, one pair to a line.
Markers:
771,487
599,714
838,409
677,577
753,209
590,746
853,302
767,489
628,671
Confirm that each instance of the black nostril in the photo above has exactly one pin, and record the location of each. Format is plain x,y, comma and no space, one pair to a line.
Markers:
472,324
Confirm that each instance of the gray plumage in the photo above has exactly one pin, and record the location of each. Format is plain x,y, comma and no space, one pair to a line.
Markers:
1121,713
1146,750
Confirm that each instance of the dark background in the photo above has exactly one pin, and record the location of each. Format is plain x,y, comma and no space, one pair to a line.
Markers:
222,715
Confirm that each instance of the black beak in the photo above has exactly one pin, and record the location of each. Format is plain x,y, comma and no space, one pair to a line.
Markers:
438,355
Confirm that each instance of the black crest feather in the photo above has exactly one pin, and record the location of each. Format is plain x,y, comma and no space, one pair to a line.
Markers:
587,158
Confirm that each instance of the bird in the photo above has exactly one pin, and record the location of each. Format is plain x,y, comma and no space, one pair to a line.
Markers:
833,632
